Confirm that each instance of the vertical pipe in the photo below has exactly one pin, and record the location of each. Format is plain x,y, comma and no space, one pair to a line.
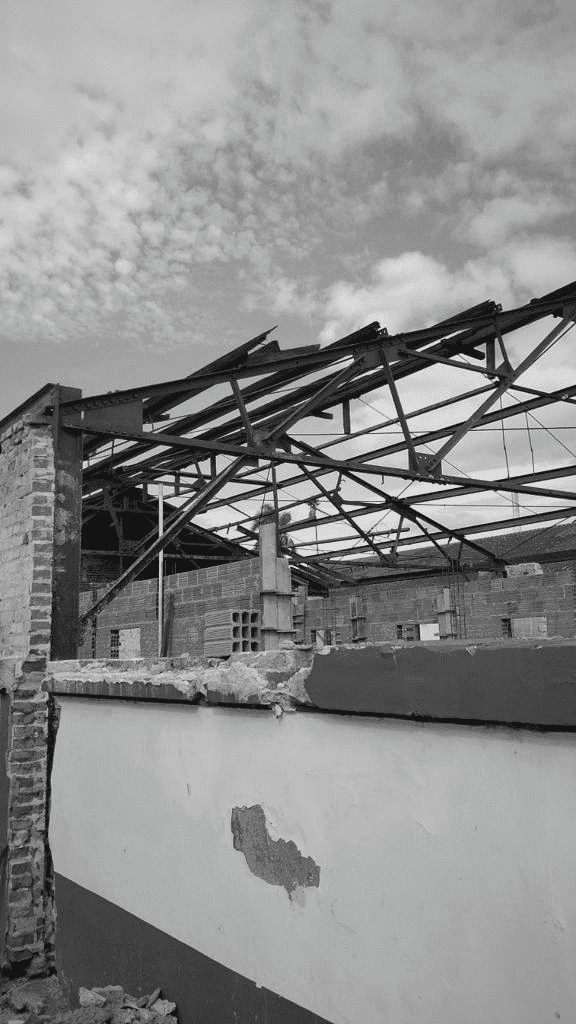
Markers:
160,567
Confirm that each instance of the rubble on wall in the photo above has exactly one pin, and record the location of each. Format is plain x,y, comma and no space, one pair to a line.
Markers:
270,678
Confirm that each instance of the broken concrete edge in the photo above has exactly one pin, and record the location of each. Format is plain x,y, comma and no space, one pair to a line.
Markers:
265,678
524,682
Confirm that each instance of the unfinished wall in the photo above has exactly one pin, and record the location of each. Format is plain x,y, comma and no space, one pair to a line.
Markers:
313,867
480,601
231,585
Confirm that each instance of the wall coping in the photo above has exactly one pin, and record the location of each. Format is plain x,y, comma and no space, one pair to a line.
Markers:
512,682
25,406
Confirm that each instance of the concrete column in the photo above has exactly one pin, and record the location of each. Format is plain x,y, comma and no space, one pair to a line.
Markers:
275,590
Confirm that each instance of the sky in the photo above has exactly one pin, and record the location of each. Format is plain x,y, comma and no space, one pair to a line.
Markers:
176,177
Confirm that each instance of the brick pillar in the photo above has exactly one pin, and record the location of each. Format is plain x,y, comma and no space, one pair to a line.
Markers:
40,477
27,485
29,941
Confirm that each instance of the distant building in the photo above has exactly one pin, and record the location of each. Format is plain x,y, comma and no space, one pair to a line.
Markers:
534,596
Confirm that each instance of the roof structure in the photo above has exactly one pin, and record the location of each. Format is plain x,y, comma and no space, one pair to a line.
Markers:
245,434
111,533
555,543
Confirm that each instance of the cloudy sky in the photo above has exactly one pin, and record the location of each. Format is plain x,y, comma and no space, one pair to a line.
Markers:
178,175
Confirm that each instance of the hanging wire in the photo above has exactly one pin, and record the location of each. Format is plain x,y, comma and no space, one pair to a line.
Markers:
530,443
548,431
504,440
555,526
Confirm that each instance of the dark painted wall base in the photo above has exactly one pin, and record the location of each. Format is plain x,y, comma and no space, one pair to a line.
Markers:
97,943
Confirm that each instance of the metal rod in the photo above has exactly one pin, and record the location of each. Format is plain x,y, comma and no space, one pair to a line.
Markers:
160,566
243,411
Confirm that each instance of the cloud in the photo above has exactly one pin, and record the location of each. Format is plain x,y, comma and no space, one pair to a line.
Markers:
539,264
409,290
143,143
504,79
144,140
502,217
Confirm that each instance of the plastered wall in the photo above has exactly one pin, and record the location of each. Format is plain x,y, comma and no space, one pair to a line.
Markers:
432,865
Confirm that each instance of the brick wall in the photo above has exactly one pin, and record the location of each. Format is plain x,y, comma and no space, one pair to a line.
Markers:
221,587
27,504
26,534
481,601
29,940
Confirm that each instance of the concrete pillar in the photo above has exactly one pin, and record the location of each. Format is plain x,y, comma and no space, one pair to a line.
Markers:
275,590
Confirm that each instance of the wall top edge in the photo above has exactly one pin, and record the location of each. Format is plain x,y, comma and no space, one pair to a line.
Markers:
25,406
530,683
265,678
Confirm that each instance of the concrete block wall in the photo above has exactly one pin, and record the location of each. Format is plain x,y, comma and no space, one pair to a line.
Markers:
228,586
489,600
482,600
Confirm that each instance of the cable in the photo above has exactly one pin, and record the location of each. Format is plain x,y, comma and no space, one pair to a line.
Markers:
524,540
557,439
504,440
530,443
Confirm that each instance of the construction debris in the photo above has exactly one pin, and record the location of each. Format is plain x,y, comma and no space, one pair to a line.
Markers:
112,1003
24,1004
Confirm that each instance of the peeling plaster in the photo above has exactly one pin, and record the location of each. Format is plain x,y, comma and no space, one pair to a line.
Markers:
276,861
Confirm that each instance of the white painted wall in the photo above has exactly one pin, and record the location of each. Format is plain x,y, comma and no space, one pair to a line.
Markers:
447,853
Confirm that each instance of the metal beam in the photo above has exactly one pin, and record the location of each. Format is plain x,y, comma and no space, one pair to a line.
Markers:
485,328
543,400
215,485
250,452
546,343
399,410
355,526
67,531
403,508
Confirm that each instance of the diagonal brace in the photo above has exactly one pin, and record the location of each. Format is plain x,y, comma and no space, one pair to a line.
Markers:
215,485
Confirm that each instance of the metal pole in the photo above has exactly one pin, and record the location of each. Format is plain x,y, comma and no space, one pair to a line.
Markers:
160,567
